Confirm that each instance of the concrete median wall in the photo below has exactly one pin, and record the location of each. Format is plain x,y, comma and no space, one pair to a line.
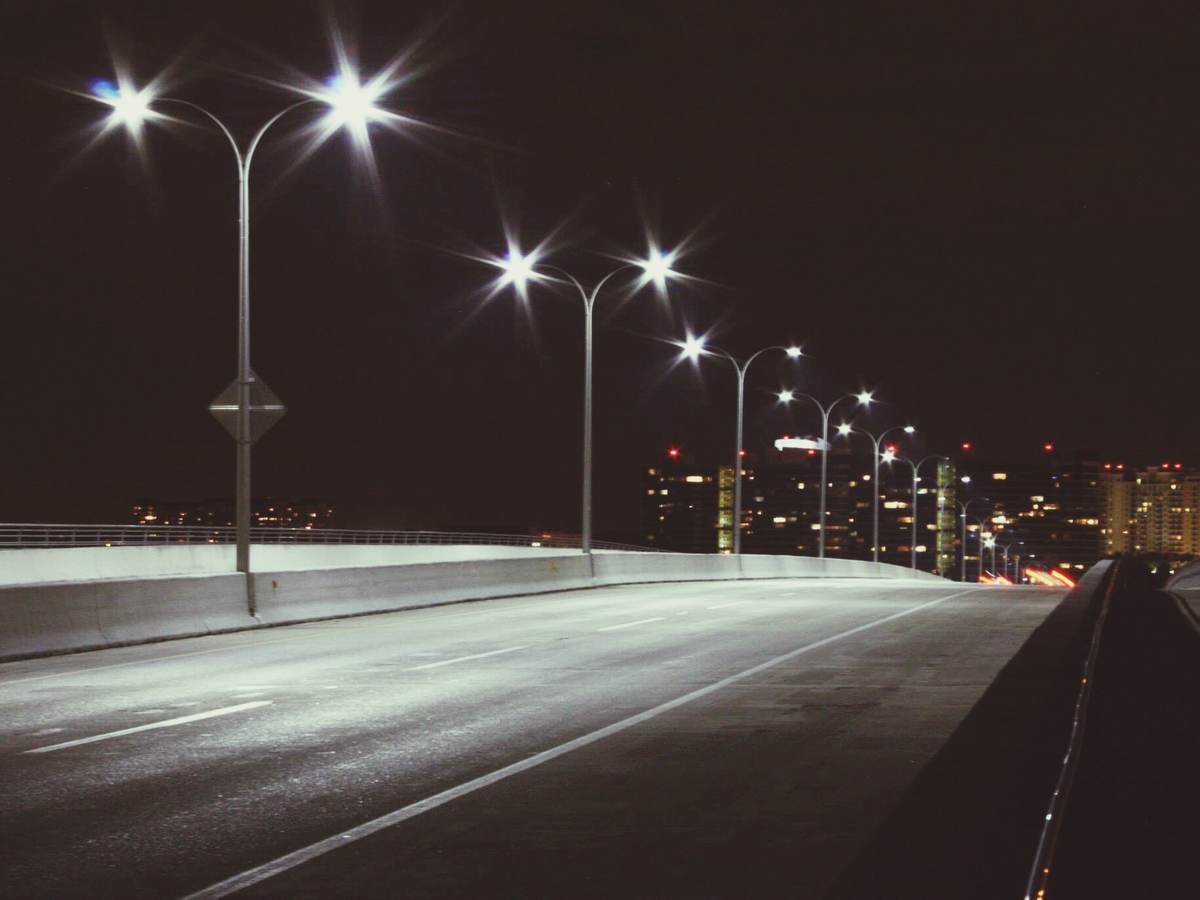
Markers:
58,617
42,619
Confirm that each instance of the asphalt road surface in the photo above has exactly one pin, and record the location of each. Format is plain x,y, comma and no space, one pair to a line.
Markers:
729,739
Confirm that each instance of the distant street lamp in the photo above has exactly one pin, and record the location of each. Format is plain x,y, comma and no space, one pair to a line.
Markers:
864,399
845,430
518,269
978,520
693,349
351,105
963,515
888,457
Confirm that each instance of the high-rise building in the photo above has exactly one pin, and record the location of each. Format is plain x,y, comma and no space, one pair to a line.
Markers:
1056,508
1166,511
679,507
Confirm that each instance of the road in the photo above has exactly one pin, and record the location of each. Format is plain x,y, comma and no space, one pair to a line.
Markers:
725,739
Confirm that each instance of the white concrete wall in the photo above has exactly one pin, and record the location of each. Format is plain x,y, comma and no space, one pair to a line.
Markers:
54,564
65,615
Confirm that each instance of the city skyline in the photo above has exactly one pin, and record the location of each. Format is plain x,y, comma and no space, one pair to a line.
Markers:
973,305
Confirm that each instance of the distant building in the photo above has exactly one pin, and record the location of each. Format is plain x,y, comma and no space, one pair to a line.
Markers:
269,512
679,506
1053,511
1156,510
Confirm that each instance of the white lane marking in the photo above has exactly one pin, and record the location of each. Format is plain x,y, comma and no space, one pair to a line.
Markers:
366,829
631,624
165,723
450,662
727,605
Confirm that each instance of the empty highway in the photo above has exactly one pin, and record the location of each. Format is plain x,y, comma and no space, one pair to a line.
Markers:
722,739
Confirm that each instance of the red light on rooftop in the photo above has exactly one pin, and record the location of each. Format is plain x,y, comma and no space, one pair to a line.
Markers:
741,453
1048,447
1166,465
966,445
812,452
673,453
1120,466
891,448
1108,465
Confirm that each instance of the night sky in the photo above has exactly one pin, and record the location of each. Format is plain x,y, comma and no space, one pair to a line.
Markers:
985,212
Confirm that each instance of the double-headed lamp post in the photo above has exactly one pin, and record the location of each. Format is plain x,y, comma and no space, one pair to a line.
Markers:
518,269
889,457
693,349
845,430
864,399
350,104
963,507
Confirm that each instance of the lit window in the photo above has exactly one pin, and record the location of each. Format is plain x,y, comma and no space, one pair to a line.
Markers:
999,476
695,479
664,492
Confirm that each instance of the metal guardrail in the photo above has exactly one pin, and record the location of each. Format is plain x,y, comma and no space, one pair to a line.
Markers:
33,535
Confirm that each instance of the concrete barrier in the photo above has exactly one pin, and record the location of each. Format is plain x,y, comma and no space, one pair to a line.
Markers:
283,597
36,564
1186,579
65,616
37,620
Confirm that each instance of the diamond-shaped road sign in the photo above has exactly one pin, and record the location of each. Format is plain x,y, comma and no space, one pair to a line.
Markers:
265,408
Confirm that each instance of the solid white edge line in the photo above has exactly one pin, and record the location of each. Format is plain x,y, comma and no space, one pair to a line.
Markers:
631,624
458,659
358,832
725,605
165,723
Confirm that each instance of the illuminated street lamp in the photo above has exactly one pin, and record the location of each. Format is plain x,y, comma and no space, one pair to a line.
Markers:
889,457
963,515
864,399
351,105
693,349
518,269
845,430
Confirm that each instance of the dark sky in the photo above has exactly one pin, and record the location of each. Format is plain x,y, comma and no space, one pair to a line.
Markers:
986,212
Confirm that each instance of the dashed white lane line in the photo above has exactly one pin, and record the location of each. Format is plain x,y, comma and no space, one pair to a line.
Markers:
631,624
404,813
727,605
165,723
458,659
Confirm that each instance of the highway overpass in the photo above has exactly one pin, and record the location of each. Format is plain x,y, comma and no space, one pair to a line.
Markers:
715,738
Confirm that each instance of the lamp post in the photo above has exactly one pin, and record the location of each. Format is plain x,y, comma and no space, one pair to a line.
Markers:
982,546
844,430
518,269
864,399
693,349
351,104
889,457
963,515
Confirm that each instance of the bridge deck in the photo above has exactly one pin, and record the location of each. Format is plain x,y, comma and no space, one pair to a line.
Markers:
808,708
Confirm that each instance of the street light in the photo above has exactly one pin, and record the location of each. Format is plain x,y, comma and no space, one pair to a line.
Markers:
693,348
963,515
864,398
518,269
889,457
845,430
351,105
